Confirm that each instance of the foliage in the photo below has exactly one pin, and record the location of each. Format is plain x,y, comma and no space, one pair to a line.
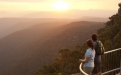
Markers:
111,38
66,63
111,34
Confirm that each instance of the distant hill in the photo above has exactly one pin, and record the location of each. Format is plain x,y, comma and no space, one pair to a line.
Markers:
25,51
10,25
70,14
5,14
94,19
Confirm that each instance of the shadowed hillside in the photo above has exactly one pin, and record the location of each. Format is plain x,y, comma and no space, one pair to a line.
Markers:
24,52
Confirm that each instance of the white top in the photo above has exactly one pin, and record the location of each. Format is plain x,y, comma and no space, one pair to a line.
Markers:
90,53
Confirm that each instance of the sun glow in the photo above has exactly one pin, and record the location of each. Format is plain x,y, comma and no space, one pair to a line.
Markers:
61,5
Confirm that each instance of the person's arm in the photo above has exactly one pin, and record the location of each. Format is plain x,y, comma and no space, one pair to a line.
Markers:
87,57
85,60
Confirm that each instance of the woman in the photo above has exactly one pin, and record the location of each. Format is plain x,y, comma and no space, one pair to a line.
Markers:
89,58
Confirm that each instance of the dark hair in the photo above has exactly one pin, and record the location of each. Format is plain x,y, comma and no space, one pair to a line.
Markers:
94,37
90,43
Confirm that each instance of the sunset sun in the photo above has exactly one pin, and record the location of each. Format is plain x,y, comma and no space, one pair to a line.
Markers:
61,5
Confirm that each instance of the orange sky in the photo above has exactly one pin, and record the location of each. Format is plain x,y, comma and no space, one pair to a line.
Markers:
46,5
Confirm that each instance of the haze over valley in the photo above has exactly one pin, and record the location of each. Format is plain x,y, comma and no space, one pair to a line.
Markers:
32,32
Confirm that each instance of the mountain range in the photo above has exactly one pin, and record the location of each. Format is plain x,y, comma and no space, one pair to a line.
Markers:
25,51
11,25
72,14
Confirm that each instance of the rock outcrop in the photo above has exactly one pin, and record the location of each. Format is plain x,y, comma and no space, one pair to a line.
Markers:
119,10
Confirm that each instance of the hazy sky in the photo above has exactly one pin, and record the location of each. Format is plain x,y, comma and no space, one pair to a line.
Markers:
46,5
